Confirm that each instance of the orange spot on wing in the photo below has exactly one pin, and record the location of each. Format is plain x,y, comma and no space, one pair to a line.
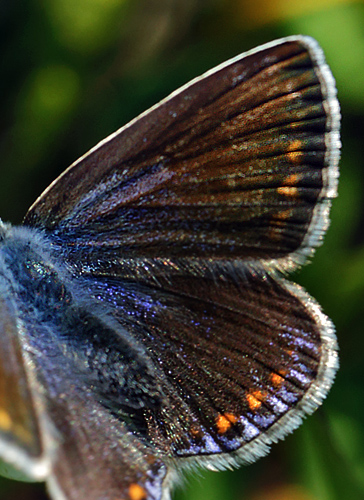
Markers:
225,421
284,215
289,191
137,492
255,399
295,145
291,180
19,430
278,222
295,157
276,379
5,420
195,431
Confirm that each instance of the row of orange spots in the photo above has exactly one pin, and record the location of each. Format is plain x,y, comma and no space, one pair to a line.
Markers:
225,421
290,182
256,398
290,190
279,221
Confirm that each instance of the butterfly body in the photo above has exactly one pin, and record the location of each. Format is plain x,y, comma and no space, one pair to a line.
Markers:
146,322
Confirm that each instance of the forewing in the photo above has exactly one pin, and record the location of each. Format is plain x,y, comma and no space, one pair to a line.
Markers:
240,163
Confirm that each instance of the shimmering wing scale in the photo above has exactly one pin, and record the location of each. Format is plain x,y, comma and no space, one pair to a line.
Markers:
234,165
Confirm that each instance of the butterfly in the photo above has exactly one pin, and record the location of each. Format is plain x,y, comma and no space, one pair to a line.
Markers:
147,324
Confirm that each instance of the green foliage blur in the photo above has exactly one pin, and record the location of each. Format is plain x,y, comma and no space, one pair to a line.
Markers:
73,71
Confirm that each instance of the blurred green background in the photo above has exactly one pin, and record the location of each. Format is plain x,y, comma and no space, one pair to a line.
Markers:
73,71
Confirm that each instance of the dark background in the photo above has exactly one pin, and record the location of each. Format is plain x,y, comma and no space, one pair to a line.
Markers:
73,71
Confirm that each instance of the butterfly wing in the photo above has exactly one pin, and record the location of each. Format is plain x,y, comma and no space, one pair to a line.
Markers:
240,163
97,456
176,224
21,443
240,361
89,453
